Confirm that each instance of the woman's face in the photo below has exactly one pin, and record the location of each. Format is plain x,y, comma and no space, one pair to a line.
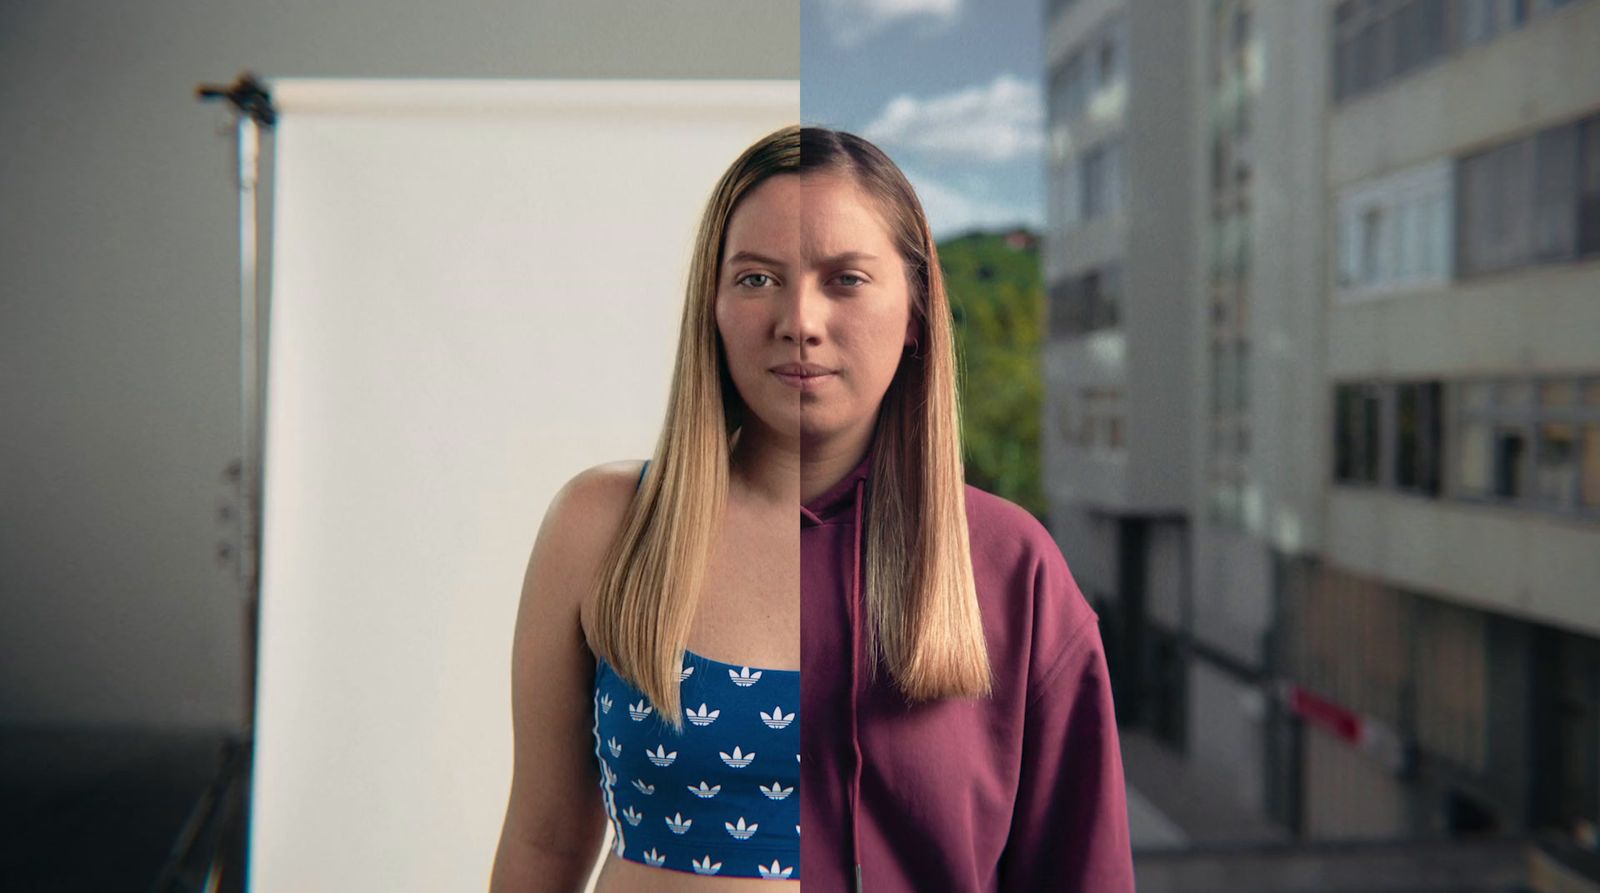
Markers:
810,275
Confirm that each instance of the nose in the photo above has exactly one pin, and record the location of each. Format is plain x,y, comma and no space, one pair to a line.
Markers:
801,311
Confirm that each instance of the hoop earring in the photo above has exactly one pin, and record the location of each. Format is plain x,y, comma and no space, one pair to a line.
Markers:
915,346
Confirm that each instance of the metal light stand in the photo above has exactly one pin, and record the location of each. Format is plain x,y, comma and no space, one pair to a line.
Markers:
210,853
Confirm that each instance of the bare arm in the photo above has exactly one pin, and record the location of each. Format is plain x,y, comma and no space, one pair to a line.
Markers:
555,822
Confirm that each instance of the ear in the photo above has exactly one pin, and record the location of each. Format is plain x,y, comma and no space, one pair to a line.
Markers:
913,330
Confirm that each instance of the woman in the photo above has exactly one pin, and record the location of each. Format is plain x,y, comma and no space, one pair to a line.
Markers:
641,573
959,731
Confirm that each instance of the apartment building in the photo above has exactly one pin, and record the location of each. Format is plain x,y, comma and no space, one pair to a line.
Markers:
1452,609
1323,396
1119,267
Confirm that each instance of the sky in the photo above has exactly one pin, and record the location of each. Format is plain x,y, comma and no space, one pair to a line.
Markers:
951,90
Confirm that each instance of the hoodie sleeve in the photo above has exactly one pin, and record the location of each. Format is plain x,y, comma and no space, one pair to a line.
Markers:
1069,826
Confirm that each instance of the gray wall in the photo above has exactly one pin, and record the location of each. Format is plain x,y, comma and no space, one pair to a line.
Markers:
119,306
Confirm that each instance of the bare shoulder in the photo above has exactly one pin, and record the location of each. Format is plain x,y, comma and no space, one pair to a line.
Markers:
585,517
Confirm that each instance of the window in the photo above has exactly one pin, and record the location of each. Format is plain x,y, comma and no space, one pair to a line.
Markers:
1356,418
1061,90
1091,171
1343,51
1068,192
1419,34
1417,429
1065,312
1110,57
1241,375
1100,419
1241,28
1069,88
1077,88
1530,200
1394,232
1589,186
1110,296
1495,208
1377,41
1372,244
1086,303
1555,216
1114,180
1476,21
1566,463
1492,434
1222,391
1101,180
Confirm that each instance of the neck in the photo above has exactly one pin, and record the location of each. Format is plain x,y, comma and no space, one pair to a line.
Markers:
824,464
765,470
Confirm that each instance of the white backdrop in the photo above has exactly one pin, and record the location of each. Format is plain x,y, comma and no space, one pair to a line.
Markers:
476,294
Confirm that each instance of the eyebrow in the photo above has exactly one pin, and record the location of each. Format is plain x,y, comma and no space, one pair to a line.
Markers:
763,259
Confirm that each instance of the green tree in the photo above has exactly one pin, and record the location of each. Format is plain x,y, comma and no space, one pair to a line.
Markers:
997,301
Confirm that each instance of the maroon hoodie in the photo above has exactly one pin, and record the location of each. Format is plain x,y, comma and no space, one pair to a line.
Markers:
1021,791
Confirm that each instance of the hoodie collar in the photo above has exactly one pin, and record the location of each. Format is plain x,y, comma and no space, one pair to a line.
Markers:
838,501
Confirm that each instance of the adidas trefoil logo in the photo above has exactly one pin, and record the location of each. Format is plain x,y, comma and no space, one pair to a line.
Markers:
640,710
654,858
777,791
744,678
615,748
739,759
703,792
644,788
777,719
775,871
702,717
660,757
705,866
678,823
632,815
605,703
686,672
741,831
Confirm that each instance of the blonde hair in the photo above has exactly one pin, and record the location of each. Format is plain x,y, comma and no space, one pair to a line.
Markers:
923,619
648,587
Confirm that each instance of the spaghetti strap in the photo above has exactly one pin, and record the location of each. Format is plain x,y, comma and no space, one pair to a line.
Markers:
641,475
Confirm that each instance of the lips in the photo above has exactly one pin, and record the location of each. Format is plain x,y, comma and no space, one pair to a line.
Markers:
802,370
808,377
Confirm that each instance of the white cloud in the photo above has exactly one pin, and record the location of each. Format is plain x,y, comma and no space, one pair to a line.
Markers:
953,211
850,22
997,122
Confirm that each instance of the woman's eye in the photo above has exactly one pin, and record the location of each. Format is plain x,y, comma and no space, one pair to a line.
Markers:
853,276
741,280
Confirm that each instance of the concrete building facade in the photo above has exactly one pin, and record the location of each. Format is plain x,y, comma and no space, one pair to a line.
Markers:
1118,267
1326,450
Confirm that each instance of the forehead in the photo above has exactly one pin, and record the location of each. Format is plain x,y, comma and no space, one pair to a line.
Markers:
808,217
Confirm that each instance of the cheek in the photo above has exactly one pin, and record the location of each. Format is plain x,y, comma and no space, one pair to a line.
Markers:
874,349
734,331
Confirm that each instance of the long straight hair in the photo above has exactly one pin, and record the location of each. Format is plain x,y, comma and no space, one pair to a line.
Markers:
648,586
923,619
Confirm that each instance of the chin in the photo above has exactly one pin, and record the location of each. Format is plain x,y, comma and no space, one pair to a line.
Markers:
785,424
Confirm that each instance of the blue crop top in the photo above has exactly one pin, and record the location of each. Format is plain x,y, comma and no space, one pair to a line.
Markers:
723,796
